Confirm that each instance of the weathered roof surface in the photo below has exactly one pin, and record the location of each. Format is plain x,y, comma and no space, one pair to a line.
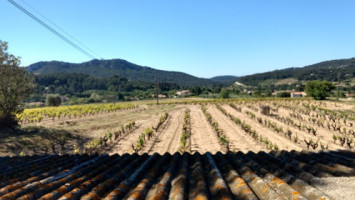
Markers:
275,175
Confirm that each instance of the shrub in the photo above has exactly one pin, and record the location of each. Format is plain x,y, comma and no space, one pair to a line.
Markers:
53,100
224,94
283,94
319,90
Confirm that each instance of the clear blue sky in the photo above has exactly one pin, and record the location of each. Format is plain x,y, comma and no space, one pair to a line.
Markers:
201,37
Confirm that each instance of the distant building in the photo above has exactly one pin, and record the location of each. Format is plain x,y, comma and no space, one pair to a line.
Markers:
350,95
182,92
298,94
36,104
134,98
160,96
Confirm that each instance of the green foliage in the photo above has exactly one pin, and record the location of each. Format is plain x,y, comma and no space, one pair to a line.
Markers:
120,68
130,125
225,79
162,119
65,83
214,124
94,97
148,131
53,100
335,138
15,86
224,94
82,88
186,131
319,71
283,94
319,90
196,90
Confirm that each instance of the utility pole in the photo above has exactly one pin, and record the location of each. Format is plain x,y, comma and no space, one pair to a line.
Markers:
156,89
338,86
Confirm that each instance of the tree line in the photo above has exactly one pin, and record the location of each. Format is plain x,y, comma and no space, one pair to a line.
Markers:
64,83
328,70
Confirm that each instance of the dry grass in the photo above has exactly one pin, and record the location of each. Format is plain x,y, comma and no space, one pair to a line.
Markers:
82,130
38,139
286,81
76,131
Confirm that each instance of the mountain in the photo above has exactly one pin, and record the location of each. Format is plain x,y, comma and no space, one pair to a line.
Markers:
327,70
225,79
108,68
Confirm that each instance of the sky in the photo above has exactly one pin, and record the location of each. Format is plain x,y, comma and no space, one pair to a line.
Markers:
204,38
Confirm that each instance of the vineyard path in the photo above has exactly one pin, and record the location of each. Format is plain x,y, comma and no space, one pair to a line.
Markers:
325,135
167,139
124,145
238,139
203,137
281,142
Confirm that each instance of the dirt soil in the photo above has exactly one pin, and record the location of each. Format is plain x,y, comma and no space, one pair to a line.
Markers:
203,137
238,139
280,141
324,135
167,140
79,131
96,125
124,145
148,119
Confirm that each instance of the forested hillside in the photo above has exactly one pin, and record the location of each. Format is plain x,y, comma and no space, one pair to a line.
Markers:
122,68
64,83
225,79
327,70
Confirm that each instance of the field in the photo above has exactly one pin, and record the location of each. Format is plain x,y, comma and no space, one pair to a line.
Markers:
190,148
213,126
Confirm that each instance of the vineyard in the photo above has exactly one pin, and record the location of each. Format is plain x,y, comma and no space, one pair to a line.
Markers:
235,149
196,126
68,112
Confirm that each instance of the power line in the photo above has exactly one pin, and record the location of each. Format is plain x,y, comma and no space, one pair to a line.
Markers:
51,29
87,48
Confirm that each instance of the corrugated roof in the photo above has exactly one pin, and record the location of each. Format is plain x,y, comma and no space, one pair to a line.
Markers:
275,175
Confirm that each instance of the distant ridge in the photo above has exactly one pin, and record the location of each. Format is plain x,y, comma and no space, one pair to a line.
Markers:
327,70
107,68
228,79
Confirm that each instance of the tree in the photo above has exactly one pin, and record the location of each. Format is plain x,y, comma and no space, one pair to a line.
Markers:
196,90
15,86
319,90
120,96
53,100
224,94
283,94
94,97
